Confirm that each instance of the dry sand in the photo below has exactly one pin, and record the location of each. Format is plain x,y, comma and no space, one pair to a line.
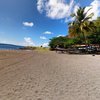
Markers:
33,75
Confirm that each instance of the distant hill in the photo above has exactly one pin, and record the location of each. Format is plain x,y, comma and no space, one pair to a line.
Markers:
9,46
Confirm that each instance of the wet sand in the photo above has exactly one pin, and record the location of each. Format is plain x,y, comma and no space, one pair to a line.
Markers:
33,75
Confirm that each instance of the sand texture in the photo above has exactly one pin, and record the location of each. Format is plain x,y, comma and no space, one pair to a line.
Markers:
33,75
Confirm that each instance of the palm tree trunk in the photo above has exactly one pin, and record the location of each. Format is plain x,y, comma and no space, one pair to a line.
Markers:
84,38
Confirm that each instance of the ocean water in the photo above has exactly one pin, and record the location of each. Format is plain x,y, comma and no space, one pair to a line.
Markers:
10,47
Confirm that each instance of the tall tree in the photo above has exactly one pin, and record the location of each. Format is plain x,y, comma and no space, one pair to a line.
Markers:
81,25
97,24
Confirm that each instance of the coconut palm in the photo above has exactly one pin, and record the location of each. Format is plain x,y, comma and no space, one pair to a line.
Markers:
81,24
97,24
73,30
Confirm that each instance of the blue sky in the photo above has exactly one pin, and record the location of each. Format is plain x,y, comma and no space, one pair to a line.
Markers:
35,22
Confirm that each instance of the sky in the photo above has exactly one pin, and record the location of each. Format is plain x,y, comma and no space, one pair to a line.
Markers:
35,22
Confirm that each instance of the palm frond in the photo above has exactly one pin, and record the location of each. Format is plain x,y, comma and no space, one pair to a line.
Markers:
73,15
87,11
90,15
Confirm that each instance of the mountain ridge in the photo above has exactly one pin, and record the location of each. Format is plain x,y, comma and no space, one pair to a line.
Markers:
10,46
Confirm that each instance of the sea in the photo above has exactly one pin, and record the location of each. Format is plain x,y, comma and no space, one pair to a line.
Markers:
10,47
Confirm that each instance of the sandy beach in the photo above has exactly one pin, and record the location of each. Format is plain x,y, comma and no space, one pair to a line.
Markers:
34,75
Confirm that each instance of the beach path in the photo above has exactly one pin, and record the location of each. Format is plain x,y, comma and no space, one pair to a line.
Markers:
34,75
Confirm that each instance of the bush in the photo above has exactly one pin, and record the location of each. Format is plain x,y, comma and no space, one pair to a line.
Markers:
61,41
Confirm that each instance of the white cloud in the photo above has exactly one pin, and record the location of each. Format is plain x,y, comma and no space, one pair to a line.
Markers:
40,5
43,37
69,19
76,7
60,35
45,44
60,9
28,41
47,32
29,24
55,9
95,5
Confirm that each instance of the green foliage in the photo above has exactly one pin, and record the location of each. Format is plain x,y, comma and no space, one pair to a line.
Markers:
80,31
78,40
29,48
94,39
81,25
42,49
57,41
64,42
97,25
94,36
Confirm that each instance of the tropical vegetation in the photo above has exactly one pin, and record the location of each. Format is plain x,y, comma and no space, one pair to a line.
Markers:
82,30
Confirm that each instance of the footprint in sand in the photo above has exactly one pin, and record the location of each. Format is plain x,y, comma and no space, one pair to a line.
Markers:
39,99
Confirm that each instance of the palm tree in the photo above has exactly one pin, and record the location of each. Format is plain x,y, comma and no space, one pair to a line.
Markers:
73,30
81,24
97,24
